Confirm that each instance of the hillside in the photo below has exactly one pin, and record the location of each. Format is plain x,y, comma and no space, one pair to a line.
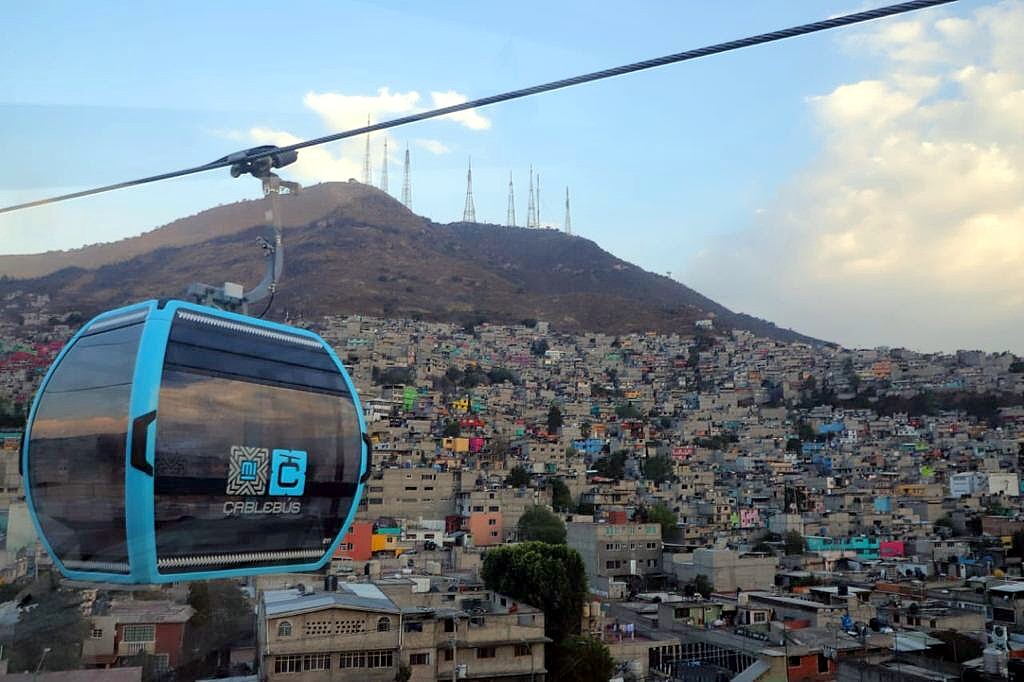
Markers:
368,254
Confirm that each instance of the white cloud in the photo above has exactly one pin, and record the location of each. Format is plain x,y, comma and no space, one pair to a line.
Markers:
315,164
470,118
909,227
344,159
432,146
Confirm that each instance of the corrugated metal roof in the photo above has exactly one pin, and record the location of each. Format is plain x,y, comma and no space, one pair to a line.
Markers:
363,597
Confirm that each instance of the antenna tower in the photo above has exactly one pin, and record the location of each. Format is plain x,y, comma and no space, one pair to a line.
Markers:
384,168
510,216
367,178
406,182
469,212
531,206
568,218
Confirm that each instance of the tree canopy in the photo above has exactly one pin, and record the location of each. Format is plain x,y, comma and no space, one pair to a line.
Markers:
518,476
54,622
664,516
554,419
549,577
793,542
584,659
561,498
659,468
612,466
542,526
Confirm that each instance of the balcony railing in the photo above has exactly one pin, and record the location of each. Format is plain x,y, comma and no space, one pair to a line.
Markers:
132,648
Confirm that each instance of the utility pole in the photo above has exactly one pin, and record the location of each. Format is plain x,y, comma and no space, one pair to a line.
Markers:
384,168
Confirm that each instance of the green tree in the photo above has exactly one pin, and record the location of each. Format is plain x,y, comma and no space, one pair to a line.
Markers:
584,659
554,419
404,673
627,411
452,429
659,468
805,431
667,518
1017,544
702,585
612,466
222,619
561,498
793,542
54,622
539,347
518,477
549,577
538,524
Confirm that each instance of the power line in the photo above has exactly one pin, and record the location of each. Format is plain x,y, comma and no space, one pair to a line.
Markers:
782,34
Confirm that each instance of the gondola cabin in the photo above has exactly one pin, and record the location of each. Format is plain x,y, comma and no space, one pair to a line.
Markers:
171,442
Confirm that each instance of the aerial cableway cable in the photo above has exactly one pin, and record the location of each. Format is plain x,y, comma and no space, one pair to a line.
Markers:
804,29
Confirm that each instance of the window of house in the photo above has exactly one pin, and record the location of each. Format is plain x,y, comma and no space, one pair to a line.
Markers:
413,626
478,508
384,624
794,661
97,633
376,500
161,662
352,659
522,650
284,629
448,654
493,508
449,625
492,522
760,617
419,659
139,632
292,663
822,663
486,652
316,662
381,658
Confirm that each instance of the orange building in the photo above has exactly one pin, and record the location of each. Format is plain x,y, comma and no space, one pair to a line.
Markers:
485,528
358,542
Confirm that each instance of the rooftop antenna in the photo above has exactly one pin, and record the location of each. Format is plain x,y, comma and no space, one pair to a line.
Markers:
407,182
531,206
469,212
568,218
510,216
384,168
232,296
366,158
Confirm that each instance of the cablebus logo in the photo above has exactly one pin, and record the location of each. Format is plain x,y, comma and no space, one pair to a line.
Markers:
257,472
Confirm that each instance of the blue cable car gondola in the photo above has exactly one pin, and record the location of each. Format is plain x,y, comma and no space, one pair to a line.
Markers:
172,441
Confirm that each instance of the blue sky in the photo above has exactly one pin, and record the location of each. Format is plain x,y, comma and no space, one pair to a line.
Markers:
666,168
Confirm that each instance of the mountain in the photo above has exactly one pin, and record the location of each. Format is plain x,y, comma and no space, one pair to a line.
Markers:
350,248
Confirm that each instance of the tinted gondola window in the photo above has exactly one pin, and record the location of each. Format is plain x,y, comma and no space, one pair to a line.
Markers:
250,471
76,471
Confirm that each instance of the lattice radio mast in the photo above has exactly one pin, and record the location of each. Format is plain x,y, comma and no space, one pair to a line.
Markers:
469,212
384,168
407,182
510,215
367,178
